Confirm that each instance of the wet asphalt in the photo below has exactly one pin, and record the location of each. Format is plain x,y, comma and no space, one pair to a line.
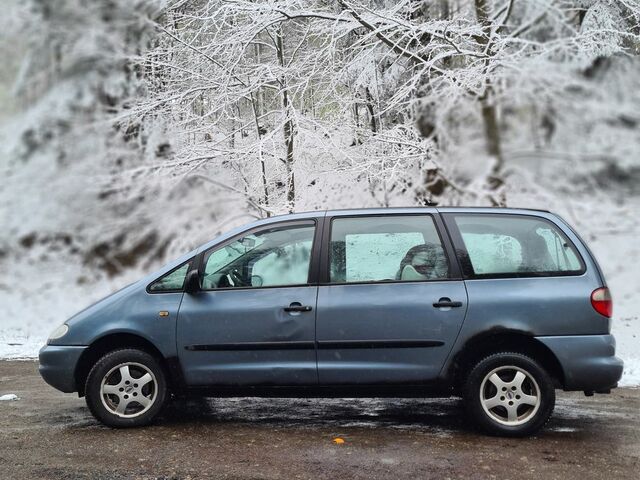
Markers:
49,435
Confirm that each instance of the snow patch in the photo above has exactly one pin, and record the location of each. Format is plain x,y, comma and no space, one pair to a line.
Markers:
9,397
631,375
564,429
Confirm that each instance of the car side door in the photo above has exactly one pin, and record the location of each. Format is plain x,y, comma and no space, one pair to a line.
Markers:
253,321
391,301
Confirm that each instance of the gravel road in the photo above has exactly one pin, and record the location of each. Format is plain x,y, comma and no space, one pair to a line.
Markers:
49,435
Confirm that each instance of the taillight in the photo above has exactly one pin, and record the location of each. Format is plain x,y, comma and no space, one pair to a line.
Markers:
601,301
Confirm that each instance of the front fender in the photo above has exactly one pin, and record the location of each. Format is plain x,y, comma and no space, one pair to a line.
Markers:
133,311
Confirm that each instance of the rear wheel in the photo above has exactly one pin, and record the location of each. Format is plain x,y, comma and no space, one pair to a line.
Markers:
509,394
126,388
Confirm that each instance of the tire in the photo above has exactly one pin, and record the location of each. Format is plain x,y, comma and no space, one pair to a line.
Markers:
509,394
126,388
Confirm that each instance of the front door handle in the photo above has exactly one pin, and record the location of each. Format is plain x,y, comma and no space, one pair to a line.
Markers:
446,302
297,307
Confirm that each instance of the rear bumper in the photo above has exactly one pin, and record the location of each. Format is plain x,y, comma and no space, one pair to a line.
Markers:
58,366
588,361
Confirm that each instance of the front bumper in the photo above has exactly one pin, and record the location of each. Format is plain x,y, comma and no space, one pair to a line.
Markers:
58,366
588,361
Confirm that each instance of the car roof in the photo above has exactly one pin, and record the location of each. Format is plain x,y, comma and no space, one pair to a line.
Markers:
433,208
395,210
352,212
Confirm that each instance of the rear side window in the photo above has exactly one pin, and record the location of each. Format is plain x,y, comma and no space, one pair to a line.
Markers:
516,245
386,248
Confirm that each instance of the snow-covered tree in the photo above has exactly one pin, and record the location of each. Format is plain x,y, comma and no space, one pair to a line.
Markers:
148,126
413,101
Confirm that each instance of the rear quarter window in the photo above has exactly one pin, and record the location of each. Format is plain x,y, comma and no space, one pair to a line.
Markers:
515,245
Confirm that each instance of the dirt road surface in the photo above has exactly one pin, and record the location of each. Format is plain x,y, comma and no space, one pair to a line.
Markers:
49,435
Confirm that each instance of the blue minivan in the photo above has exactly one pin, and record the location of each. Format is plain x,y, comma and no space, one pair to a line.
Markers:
499,306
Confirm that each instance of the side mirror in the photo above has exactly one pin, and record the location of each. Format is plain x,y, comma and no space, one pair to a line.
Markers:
192,282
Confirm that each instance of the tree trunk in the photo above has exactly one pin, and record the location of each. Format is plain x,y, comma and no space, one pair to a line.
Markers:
372,112
492,136
288,128
256,108
489,111
356,120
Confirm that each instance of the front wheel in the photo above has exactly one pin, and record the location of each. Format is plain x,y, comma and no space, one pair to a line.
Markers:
126,388
509,394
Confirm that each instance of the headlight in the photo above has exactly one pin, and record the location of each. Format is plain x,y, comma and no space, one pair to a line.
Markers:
59,332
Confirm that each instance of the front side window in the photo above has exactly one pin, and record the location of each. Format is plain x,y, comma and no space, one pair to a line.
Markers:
172,281
403,248
276,256
516,245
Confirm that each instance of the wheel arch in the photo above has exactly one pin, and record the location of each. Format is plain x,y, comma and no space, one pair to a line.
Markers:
114,341
484,344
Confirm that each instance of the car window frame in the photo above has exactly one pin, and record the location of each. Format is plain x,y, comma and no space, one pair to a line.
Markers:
445,242
465,260
312,276
175,290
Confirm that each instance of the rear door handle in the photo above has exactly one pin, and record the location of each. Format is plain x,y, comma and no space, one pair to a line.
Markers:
446,302
296,307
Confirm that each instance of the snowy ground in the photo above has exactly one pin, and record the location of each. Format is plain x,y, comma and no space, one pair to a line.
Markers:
619,257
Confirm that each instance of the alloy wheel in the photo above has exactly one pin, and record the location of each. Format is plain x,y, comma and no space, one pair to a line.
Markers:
129,389
510,395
